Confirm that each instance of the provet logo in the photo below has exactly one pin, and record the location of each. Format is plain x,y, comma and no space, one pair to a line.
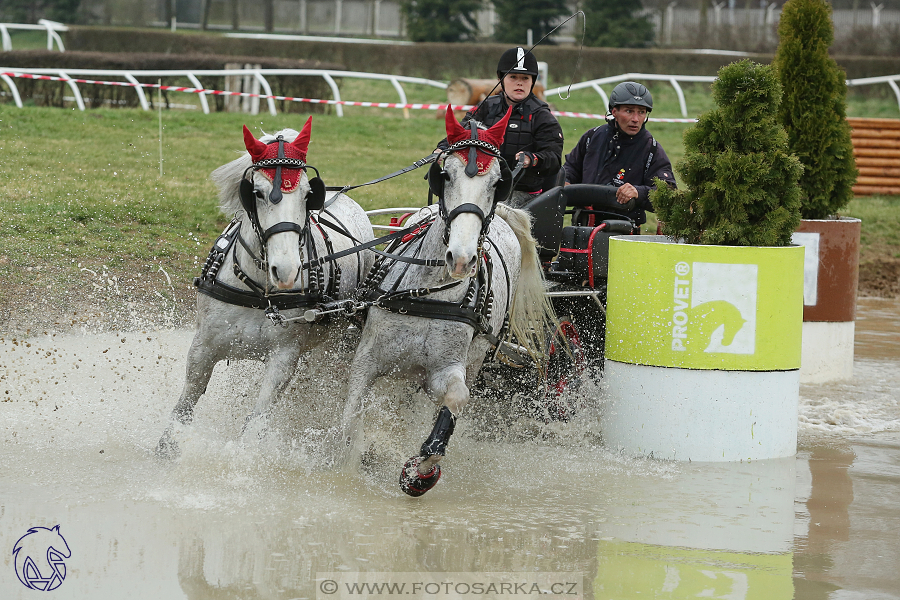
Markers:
714,308
39,558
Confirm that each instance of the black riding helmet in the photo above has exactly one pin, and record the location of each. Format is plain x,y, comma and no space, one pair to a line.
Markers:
517,60
629,92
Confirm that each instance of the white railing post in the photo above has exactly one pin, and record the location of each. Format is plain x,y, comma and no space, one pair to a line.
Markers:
402,95
603,95
680,94
13,90
893,84
52,35
338,109
140,91
79,101
203,101
7,41
268,91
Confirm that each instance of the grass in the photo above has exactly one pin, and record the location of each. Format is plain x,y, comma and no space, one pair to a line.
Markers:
83,190
29,39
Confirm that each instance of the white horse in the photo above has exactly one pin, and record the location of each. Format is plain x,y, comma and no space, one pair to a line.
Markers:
471,279
269,263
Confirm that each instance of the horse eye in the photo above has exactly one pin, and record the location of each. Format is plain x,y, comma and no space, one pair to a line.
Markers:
259,195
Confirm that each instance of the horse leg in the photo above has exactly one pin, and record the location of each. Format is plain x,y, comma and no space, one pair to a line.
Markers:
422,472
201,360
280,366
362,374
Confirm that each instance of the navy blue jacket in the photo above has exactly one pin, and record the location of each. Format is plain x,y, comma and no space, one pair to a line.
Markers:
605,155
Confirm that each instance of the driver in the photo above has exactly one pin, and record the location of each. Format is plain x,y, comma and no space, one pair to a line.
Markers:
622,153
533,133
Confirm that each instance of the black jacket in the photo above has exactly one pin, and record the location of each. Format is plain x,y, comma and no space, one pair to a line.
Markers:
531,128
605,155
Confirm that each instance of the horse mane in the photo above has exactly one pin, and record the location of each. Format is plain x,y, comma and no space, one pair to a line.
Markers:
228,177
531,316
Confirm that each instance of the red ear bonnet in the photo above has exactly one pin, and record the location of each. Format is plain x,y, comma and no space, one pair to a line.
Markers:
258,150
493,136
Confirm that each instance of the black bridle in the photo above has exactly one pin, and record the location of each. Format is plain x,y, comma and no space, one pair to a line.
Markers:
249,194
437,177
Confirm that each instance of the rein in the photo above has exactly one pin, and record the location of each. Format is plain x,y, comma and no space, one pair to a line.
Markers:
419,163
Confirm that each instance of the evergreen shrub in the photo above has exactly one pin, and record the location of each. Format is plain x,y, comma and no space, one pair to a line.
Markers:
441,20
616,24
741,181
516,17
814,108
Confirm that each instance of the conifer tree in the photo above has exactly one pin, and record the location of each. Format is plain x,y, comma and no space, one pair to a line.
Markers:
741,180
616,24
516,17
814,107
441,20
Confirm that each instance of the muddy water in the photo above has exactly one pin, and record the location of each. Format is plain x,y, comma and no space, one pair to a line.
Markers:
80,414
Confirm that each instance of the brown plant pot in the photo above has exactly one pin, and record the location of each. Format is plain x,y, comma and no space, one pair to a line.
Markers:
830,281
831,273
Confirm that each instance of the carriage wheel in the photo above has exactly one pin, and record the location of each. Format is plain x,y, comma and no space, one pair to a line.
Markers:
565,368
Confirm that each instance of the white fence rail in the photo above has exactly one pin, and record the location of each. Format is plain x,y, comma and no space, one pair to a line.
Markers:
52,28
329,76
259,74
676,80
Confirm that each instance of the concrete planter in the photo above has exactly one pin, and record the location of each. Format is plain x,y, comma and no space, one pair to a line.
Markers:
830,280
703,349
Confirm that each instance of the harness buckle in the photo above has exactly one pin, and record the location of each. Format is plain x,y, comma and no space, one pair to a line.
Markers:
276,317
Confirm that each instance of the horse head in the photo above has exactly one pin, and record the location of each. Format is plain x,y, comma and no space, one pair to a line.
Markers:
472,179
277,196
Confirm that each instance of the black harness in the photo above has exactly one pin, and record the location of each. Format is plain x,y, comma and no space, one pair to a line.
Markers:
320,287
474,309
476,306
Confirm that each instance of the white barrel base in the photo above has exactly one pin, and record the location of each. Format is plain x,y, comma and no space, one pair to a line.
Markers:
827,351
700,415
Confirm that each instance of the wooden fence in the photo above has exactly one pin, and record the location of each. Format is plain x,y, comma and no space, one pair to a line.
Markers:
876,146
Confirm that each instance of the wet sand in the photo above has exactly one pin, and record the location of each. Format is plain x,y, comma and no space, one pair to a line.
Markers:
81,414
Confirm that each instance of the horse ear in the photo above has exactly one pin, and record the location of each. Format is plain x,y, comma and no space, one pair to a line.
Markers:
301,142
496,133
455,131
256,148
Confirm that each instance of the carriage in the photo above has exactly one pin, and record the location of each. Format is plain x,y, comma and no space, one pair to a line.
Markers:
456,288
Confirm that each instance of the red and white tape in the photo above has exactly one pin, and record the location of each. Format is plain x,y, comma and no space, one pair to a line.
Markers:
192,90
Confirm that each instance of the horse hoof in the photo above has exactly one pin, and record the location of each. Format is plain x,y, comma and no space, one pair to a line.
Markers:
167,449
414,483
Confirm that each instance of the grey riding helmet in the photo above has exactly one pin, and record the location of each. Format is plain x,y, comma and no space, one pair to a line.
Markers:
629,92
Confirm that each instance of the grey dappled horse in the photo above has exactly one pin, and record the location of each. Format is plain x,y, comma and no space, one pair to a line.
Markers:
469,279
265,265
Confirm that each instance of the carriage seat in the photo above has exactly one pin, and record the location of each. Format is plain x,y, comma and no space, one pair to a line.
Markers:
583,249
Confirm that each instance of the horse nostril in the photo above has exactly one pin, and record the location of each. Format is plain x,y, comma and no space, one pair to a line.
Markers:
275,273
449,258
